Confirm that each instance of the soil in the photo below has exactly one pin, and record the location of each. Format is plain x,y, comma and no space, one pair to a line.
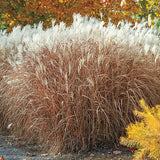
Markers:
16,149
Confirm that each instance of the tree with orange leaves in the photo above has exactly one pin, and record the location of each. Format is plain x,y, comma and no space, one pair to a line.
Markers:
24,12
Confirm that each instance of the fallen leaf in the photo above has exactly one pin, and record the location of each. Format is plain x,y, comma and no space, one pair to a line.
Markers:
91,155
117,152
44,155
20,145
29,154
19,138
133,149
2,158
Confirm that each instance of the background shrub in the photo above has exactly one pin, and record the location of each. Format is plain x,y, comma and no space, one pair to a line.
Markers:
74,88
31,12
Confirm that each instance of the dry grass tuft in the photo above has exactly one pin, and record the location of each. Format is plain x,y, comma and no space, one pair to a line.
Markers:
77,93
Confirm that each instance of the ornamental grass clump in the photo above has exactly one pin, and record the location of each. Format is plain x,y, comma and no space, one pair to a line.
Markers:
75,88
145,134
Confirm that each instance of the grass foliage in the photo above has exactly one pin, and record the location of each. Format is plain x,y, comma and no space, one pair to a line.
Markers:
74,88
145,135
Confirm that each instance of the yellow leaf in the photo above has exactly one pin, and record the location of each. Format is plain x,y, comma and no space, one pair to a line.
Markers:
61,1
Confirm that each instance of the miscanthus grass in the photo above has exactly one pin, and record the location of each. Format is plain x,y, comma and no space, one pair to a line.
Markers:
74,88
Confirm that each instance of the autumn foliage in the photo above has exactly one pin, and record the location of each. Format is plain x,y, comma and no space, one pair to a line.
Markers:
144,135
149,7
24,12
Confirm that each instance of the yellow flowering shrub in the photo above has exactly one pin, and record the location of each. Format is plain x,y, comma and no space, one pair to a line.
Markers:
144,135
